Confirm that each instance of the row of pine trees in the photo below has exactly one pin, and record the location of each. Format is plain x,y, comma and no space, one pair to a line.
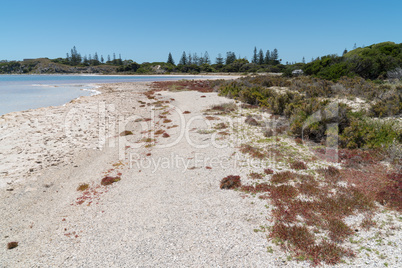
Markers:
269,58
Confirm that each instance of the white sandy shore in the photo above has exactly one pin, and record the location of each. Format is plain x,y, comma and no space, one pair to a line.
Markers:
163,218
167,210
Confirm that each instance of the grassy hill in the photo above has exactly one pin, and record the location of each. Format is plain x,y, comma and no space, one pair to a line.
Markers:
47,66
371,62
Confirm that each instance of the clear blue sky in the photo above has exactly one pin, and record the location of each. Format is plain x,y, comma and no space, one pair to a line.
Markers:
149,30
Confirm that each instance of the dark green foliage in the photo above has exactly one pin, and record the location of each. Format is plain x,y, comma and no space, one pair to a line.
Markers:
363,133
183,59
370,62
131,67
255,57
230,57
317,119
170,59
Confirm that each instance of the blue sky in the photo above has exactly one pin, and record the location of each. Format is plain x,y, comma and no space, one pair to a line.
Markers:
149,30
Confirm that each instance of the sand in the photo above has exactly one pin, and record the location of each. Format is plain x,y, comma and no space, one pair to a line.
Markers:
167,209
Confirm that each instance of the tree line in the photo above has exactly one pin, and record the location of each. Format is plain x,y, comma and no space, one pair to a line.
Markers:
191,62
74,58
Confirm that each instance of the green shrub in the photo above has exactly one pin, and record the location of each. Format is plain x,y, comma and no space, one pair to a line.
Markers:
370,134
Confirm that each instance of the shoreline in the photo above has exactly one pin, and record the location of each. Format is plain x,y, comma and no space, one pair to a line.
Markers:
99,84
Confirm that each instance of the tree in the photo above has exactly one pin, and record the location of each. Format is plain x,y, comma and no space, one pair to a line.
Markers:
189,59
183,59
344,52
304,60
196,59
255,60
170,59
219,59
354,46
75,57
260,57
108,59
267,59
102,59
275,57
206,58
230,57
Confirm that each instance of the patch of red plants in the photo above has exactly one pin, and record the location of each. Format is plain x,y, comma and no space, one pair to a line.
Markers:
255,176
283,177
193,85
109,180
230,182
299,141
90,194
252,151
211,118
268,171
298,165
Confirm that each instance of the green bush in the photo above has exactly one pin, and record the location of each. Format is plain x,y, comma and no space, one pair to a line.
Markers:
370,134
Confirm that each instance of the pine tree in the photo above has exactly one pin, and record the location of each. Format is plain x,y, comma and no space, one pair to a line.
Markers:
255,60
108,59
190,59
274,57
183,59
260,57
75,57
170,59
230,57
304,60
102,59
219,59
85,60
206,58
196,59
267,59
344,52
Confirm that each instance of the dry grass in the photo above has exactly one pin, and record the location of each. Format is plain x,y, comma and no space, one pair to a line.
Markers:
221,126
109,180
83,187
126,133
223,109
